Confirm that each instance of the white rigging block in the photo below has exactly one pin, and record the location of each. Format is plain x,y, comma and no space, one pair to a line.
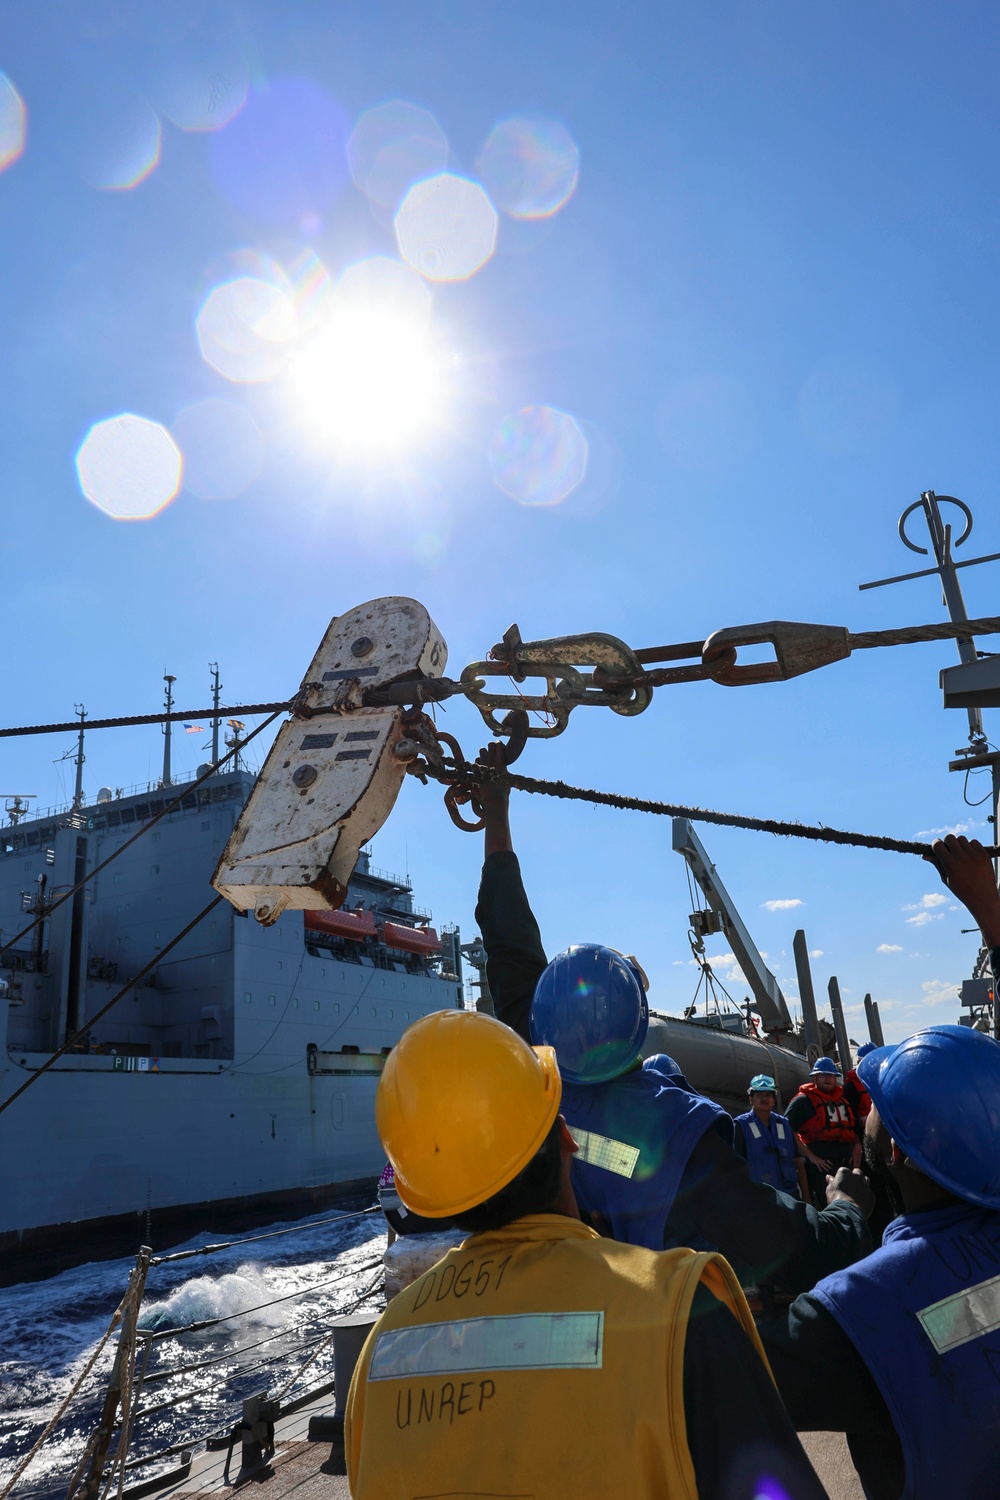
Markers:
330,781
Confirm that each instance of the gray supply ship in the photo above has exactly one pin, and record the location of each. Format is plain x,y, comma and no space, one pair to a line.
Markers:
237,1081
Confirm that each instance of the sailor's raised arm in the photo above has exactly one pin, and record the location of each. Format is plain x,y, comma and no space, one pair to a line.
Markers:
514,954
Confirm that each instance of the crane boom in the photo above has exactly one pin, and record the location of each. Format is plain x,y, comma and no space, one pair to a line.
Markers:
770,1002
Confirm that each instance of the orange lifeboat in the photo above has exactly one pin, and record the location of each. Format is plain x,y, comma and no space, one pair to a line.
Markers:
357,925
411,939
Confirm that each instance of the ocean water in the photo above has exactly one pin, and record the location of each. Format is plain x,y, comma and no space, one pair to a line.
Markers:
274,1298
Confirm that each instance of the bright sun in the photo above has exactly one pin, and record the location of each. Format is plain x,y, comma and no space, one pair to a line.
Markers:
368,377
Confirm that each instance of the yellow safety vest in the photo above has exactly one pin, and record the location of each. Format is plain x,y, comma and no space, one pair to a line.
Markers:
536,1361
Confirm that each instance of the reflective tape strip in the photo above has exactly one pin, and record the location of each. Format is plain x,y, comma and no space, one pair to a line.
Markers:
526,1341
967,1315
754,1130
602,1151
780,1129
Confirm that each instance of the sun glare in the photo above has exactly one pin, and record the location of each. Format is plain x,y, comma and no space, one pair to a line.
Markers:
368,377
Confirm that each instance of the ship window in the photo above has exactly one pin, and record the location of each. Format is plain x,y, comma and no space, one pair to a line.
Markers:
270,998
295,1003
154,869
390,1015
374,1011
119,875
336,1010
406,1015
128,814
156,937
277,932
279,960
315,1005
189,802
247,997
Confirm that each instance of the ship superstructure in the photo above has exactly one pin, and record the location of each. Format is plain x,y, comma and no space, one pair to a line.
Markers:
238,1077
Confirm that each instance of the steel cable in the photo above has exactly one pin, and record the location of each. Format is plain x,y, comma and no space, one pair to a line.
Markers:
911,635
134,721
477,773
252,1239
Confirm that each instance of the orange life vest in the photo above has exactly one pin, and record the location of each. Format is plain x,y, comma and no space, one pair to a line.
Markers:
859,1094
833,1117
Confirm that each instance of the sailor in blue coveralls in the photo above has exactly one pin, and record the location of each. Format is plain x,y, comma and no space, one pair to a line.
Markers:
902,1350
656,1161
766,1140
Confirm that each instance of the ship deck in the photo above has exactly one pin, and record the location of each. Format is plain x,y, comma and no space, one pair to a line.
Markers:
316,1471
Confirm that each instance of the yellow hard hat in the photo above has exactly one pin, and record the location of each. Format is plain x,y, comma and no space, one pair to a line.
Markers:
463,1105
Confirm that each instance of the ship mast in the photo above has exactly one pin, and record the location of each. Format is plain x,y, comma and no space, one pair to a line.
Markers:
972,685
213,667
80,758
168,726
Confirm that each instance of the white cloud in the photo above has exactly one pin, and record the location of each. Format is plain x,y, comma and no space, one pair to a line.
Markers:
923,917
785,904
940,992
889,948
940,833
928,902
815,953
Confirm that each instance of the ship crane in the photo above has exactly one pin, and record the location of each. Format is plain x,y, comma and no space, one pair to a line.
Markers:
722,916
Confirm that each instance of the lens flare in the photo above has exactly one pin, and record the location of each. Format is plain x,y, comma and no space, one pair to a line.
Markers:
391,147
129,467
222,447
283,158
113,140
368,377
13,123
446,227
199,88
245,328
539,455
530,167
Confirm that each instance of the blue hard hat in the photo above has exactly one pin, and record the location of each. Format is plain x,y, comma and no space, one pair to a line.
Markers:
866,1048
664,1063
591,1007
825,1065
762,1083
939,1096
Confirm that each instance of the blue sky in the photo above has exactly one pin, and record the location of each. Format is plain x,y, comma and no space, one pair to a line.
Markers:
769,305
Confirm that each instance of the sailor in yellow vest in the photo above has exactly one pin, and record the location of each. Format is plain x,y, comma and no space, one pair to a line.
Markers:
539,1360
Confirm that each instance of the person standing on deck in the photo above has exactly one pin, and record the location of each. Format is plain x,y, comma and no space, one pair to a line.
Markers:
539,1359
902,1351
767,1142
825,1125
855,1092
683,1183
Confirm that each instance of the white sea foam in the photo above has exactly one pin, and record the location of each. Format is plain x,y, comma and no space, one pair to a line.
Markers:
49,1329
